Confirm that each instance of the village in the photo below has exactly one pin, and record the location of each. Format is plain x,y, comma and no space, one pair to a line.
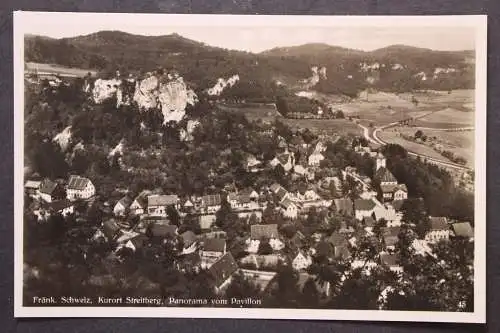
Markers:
372,209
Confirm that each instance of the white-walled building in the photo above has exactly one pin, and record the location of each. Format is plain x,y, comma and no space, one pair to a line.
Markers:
439,230
48,190
364,208
392,262
158,204
315,159
79,188
121,207
301,261
264,232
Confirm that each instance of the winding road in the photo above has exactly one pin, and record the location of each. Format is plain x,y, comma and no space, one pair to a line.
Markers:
374,138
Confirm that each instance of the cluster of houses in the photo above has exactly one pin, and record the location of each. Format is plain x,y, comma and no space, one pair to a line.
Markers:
307,162
209,250
58,196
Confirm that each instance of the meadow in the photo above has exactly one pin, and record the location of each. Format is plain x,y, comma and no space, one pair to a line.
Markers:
459,143
432,108
447,118
392,135
265,112
33,67
326,126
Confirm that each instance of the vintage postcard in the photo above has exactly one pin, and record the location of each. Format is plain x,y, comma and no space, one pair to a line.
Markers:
278,167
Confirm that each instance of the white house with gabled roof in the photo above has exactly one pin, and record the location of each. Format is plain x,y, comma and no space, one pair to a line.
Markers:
79,188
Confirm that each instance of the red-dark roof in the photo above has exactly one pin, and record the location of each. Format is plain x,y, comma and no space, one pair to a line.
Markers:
287,203
388,188
211,200
402,187
32,184
439,223
59,205
391,231
125,201
188,238
163,230
397,204
391,235
163,200
336,239
47,186
281,193
390,260
191,259
342,251
283,158
141,200
78,183
364,204
275,187
463,229
384,175
324,248
223,268
139,241
344,206
214,245
264,231
369,221
110,229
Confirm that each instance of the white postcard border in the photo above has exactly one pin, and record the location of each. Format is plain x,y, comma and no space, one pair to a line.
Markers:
479,22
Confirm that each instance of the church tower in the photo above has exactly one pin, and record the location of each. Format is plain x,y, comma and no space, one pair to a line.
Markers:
380,161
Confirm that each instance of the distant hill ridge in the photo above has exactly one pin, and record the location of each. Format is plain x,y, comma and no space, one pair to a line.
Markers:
392,68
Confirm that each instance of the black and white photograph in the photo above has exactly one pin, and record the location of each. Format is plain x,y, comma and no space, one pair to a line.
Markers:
237,166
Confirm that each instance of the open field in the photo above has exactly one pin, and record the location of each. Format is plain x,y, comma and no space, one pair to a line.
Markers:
265,112
325,126
447,118
33,67
462,99
268,112
379,108
460,143
382,108
392,135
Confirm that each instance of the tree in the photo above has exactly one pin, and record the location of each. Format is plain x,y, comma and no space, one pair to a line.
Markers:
350,188
358,291
173,215
241,287
339,114
442,282
190,222
282,106
48,160
418,134
288,230
200,285
279,173
377,228
308,136
265,247
225,217
238,248
414,212
284,291
310,294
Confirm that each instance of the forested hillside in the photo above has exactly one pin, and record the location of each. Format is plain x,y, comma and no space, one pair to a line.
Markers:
394,68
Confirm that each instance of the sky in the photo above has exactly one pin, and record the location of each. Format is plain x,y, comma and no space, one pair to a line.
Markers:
256,34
